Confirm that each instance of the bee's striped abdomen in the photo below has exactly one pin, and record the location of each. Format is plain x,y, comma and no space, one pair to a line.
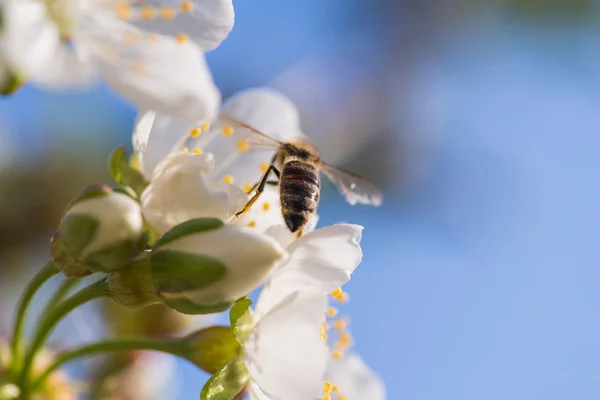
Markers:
299,193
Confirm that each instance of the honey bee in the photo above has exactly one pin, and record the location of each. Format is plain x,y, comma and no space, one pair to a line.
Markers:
297,165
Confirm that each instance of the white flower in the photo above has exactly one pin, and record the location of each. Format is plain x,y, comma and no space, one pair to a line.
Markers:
353,380
206,263
62,43
321,261
165,148
284,353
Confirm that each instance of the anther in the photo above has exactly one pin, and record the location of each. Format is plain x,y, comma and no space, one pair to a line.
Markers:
337,292
334,388
340,324
182,38
336,354
167,13
342,397
266,206
195,132
185,149
327,386
332,312
205,126
252,224
147,13
247,188
186,6
326,396
342,297
227,130
243,145
123,11
264,167
197,151
228,179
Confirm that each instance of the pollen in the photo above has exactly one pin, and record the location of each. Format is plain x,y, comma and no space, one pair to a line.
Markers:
184,149
252,224
266,206
243,146
167,13
264,167
182,38
228,179
227,130
247,188
123,11
326,396
195,132
147,13
197,151
205,126
336,354
332,312
186,6
327,387
342,297
336,292
334,388
340,324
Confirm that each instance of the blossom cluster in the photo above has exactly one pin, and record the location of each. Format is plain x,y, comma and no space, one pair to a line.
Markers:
169,233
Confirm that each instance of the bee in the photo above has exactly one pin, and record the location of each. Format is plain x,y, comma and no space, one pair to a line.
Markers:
296,165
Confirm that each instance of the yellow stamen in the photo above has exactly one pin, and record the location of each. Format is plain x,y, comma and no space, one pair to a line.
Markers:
334,388
243,145
147,13
340,324
264,167
266,206
167,13
327,386
185,149
205,126
182,38
337,354
326,396
228,179
337,292
342,297
323,337
195,132
197,151
247,188
227,130
342,397
332,312
186,6
123,11
252,224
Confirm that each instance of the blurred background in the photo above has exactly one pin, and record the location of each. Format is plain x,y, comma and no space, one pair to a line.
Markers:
481,121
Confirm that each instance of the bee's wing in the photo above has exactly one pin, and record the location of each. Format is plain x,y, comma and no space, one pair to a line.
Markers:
259,139
356,189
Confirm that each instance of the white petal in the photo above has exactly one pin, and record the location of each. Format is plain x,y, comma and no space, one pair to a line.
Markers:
354,379
284,352
155,136
247,255
180,190
207,24
33,47
322,260
262,108
154,72
285,237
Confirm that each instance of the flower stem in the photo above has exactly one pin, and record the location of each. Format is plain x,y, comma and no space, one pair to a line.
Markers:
56,314
170,346
59,294
47,272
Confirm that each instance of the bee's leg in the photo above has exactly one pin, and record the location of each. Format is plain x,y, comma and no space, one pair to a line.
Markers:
299,233
259,189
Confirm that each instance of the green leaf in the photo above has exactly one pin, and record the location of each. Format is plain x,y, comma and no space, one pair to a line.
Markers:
77,231
228,382
240,318
211,348
190,227
124,173
176,271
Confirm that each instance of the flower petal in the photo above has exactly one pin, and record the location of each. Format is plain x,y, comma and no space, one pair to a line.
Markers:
206,22
33,46
284,352
262,108
180,191
322,260
155,136
154,72
354,379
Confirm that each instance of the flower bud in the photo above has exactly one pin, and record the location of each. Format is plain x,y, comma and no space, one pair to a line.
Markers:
203,266
101,231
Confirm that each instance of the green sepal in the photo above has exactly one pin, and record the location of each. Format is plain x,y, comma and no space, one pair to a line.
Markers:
133,286
69,266
77,231
240,317
210,348
186,228
12,83
176,271
124,173
116,256
91,192
186,306
228,382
